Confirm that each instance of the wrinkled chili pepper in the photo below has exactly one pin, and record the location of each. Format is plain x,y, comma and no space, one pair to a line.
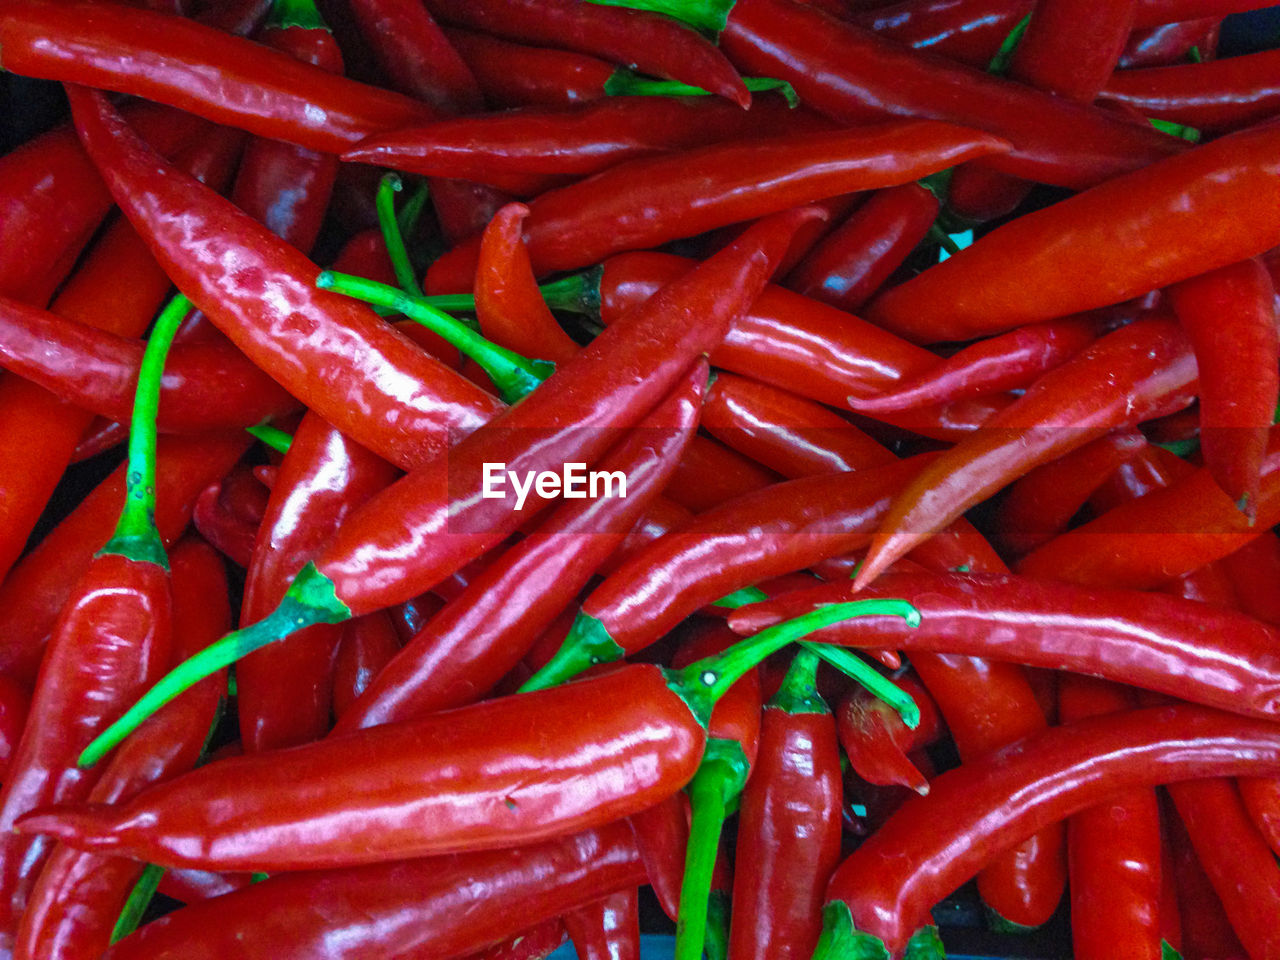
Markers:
932,844
78,896
650,200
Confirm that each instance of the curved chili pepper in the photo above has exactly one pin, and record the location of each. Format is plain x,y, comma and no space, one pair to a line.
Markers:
515,75
334,354
877,741
228,514
40,584
608,929
169,60
662,834
1162,535
1007,362
932,844
1063,259
319,804
1039,506
1238,861
1151,468
1071,50
579,140
1113,851
854,260
794,436
796,343
1164,44
368,644
1137,372
652,44
1194,651
789,824
1215,96
690,192
78,896
466,648
1229,316
284,690
710,474
110,640
853,75
416,55
1204,927
781,529
119,287
208,385
967,32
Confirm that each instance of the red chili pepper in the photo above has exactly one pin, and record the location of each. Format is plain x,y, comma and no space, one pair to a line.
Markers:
1163,535
794,436
368,644
690,192
1113,851
789,824
1238,861
15,704
78,897
1136,232
38,586
662,834
1204,927
228,514
1070,50
1010,361
515,75
1151,468
284,689
710,474
854,260
652,44
1137,372
1040,506
334,354
1214,97
536,943
1252,570
608,929
466,648
1194,651
192,886
1164,44
932,844
1229,316
1150,13
967,32
438,906
579,140
877,741
170,60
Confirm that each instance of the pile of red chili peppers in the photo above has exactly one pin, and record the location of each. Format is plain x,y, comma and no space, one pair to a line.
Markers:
779,462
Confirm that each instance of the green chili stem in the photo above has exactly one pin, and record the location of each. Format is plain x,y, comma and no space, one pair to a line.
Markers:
296,13
626,83
273,437
411,210
704,682
514,376
714,787
740,598
999,64
136,536
709,16
938,235
577,293
799,690
311,599
876,683
716,942
587,644
385,202
840,941
139,899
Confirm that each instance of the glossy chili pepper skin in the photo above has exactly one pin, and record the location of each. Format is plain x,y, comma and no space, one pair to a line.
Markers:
78,897
1230,318
15,703
1215,97
471,644
331,352
516,75
607,929
1162,535
1071,50
192,886
877,741
1065,258
650,200
169,60
788,831
932,844
1165,44
368,644
623,741
799,344
536,943
284,688
1196,651
580,140
967,32
207,386
1133,374
853,75
410,536
1237,859
851,262
228,514
654,44
710,474
38,586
